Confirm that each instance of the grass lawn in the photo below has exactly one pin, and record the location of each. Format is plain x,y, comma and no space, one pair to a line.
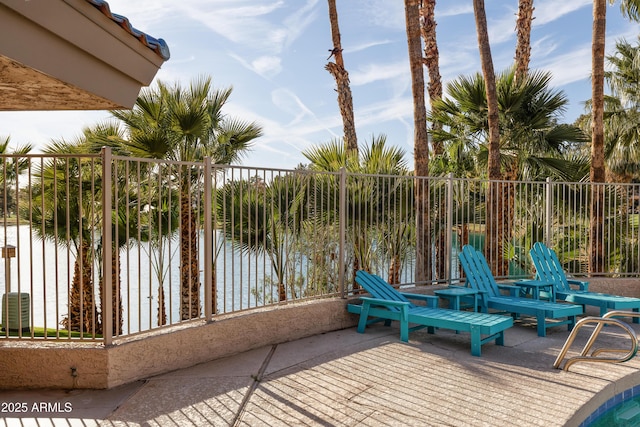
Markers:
39,332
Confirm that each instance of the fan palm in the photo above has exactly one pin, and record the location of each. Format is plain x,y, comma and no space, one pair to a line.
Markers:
369,197
622,112
62,210
186,125
631,10
11,167
531,139
265,218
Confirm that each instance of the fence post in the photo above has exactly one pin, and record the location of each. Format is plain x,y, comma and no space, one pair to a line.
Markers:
107,244
449,228
548,212
342,215
208,241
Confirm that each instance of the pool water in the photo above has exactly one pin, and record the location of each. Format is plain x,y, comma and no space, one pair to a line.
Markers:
621,410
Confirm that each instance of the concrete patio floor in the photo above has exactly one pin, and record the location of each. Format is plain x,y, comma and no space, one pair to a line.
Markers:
343,378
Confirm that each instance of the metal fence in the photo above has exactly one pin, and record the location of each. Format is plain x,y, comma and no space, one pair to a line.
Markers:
99,247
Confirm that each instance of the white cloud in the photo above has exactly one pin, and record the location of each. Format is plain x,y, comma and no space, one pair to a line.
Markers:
376,72
39,128
550,10
245,25
267,65
453,10
579,59
384,13
288,102
298,21
365,46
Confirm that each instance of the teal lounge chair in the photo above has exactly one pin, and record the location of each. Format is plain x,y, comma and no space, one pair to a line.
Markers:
549,269
480,278
387,304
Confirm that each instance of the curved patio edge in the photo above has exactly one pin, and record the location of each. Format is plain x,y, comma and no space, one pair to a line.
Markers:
74,365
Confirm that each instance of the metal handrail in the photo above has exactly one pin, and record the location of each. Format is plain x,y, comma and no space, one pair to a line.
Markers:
600,322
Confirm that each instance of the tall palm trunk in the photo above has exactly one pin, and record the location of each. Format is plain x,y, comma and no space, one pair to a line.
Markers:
116,298
434,89
395,270
508,200
420,143
523,35
597,173
189,272
214,290
494,239
337,70
278,261
83,310
162,311
431,60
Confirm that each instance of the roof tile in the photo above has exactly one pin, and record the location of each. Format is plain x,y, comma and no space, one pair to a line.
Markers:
159,46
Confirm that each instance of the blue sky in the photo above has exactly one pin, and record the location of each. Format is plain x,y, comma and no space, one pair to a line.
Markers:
273,53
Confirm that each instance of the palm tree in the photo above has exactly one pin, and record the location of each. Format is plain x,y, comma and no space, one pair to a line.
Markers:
434,89
161,225
123,226
186,125
523,45
337,70
532,140
622,113
431,58
420,142
157,219
265,218
631,9
494,199
62,210
10,169
368,198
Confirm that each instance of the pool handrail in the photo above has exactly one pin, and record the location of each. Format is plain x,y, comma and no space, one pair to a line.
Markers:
600,322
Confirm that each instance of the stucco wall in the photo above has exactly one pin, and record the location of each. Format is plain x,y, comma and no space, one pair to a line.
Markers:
49,365
625,287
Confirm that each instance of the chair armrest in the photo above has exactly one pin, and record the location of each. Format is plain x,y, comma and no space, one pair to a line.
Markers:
513,289
430,300
583,286
383,302
403,305
483,298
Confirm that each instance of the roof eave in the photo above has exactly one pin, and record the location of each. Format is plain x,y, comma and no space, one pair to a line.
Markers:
109,65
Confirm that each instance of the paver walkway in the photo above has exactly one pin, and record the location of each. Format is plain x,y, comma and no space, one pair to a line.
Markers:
344,378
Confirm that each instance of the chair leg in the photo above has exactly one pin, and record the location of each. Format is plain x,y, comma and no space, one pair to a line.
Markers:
404,331
542,326
364,315
476,341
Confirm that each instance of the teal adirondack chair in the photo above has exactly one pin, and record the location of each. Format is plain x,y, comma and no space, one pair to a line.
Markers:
479,277
549,269
387,304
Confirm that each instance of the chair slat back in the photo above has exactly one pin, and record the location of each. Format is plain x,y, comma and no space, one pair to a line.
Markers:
478,273
548,267
378,287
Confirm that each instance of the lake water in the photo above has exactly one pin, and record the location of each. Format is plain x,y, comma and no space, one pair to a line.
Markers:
44,270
